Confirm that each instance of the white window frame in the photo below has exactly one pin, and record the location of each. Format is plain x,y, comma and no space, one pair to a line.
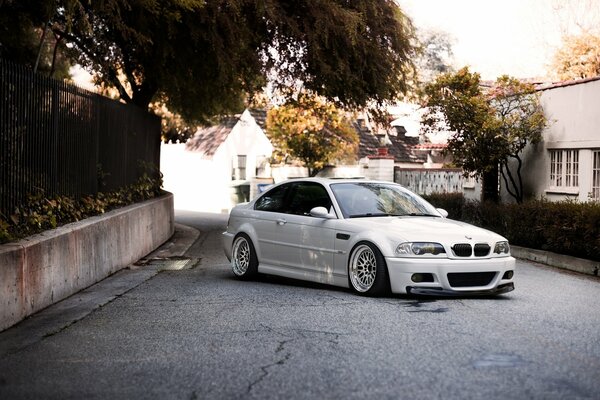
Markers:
239,170
595,193
564,171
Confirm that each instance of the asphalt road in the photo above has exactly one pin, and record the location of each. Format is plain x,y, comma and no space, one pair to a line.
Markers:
199,333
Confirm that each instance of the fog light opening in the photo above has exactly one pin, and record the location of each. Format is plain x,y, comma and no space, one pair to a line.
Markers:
418,278
508,275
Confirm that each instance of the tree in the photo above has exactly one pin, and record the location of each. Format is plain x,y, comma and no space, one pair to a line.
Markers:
520,121
312,130
489,128
201,57
25,39
579,57
436,55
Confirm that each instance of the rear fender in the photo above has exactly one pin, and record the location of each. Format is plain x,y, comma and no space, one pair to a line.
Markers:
249,230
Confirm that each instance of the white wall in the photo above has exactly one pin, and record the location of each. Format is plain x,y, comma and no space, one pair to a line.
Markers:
201,184
573,113
195,183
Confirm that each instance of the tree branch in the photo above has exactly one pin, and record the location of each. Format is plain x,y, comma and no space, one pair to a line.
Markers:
503,166
107,69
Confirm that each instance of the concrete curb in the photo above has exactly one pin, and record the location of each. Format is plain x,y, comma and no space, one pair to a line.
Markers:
561,261
183,238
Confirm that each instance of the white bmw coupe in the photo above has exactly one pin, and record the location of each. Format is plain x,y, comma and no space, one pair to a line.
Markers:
367,235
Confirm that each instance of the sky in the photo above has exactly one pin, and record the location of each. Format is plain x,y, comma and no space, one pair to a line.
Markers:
496,37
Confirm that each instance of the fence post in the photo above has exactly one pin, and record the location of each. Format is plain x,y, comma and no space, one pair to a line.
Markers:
53,181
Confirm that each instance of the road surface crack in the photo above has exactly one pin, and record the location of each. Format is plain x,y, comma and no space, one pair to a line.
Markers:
265,369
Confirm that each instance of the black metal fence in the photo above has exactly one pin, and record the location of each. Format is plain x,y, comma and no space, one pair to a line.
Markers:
63,140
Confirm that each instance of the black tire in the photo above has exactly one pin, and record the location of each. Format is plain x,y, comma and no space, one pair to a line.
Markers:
244,262
367,270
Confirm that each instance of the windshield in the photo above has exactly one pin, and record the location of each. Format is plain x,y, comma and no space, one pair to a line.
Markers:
365,199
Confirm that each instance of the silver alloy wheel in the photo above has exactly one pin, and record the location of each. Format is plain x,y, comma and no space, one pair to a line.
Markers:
241,256
363,268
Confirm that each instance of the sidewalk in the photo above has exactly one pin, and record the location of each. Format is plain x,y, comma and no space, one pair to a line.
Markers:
59,316
561,261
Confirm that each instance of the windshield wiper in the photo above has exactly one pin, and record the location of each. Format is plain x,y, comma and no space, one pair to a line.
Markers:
372,215
418,215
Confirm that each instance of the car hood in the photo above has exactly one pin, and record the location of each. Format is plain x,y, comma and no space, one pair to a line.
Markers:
425,229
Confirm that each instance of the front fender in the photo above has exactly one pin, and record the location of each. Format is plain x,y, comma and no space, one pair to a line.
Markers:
379,239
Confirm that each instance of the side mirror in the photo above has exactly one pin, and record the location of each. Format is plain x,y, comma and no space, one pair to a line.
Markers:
320,212
443,212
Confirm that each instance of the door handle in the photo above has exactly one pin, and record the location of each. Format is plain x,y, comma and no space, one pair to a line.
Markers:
281,221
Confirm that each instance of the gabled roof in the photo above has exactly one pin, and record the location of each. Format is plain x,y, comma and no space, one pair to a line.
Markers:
401,146
555,85
368,143
260,116
207,140
402,149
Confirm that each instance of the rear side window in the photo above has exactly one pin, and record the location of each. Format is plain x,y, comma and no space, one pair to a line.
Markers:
307,195
273,200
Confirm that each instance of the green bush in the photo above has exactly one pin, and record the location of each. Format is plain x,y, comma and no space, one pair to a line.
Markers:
451,202
565,227
40,213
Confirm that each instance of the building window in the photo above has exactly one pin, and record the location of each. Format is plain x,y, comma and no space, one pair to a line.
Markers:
564,168
596,175
239,168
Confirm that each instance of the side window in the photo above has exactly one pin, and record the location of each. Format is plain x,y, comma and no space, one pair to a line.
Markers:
307,195
273,200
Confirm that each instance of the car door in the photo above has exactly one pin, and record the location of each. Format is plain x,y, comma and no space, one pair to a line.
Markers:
313,237
272,231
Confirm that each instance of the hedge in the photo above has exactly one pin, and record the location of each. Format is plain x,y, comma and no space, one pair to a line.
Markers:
565,227
40,213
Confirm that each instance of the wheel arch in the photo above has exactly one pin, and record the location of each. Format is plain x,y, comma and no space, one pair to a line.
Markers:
248,230
384,285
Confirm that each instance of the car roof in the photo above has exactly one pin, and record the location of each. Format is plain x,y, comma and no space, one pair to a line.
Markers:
329,181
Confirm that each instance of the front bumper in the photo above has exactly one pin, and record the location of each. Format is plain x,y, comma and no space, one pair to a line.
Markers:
401,271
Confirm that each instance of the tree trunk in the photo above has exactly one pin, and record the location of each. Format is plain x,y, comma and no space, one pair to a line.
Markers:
143,94
489,190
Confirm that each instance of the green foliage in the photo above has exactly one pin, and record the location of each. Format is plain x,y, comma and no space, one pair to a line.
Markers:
489,128
451,202
455,102
312,130
40,213
565,227
202,57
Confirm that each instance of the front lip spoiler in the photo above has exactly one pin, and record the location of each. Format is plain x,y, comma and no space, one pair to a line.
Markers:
429,291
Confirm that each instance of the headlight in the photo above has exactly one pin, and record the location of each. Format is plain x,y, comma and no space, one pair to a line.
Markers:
419,249
502,248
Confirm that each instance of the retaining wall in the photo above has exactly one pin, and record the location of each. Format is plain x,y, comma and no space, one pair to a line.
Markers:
46,268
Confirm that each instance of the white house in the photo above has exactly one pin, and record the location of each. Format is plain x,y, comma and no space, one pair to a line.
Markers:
566,164
219,165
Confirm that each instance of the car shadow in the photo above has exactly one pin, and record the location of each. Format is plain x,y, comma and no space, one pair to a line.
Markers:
283,281
415,300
